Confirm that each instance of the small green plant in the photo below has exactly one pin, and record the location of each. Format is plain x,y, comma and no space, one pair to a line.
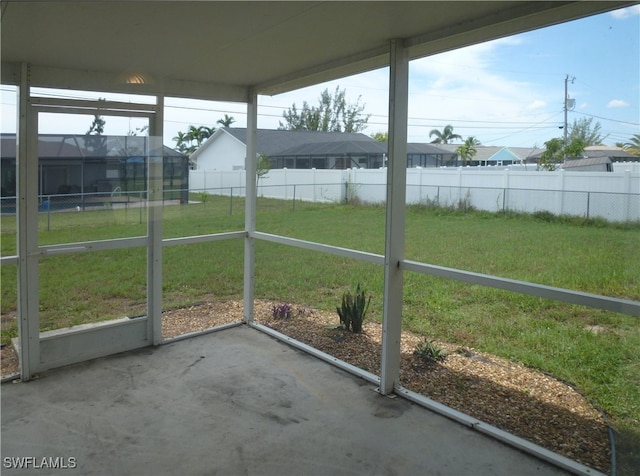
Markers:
351,193
428,351
353,310
281,311
544,215
203,197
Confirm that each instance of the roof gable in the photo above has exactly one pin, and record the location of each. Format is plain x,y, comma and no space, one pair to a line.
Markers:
213,138
503,155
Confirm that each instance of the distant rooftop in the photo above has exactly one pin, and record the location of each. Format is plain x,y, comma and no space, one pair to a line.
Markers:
69,146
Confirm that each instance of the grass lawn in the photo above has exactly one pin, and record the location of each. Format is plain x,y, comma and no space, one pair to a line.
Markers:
597,351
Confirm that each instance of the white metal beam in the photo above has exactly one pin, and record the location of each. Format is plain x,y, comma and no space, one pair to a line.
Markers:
27,217
321,247
113,107
623,306
395,217
155,200
250,207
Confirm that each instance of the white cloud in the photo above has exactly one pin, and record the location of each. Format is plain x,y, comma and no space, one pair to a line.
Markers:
465,89
617,103
536,104
626,12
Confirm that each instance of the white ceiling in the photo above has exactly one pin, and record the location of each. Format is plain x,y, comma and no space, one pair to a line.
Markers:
218,50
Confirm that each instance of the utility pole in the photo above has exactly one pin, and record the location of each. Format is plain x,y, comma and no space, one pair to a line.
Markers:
569,104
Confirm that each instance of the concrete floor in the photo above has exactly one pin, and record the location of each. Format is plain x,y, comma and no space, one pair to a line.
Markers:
235,402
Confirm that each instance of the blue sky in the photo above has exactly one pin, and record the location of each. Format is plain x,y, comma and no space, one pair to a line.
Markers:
505,92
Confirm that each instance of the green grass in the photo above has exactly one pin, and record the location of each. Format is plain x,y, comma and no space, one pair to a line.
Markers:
586,255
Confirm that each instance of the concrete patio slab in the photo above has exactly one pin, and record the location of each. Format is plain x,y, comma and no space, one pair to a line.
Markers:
234,402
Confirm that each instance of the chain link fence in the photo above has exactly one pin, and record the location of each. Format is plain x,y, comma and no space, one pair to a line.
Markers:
614,207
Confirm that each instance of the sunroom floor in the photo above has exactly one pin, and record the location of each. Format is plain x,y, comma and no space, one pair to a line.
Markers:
234,402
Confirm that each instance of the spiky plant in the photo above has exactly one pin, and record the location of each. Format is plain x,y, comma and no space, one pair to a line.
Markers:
353,310
428,351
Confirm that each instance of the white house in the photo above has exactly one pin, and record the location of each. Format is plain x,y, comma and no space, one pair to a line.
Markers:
221,151
225,151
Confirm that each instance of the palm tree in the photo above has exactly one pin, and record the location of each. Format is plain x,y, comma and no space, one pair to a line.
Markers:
181,142
200,134
633,146
468,149
226,121
445,136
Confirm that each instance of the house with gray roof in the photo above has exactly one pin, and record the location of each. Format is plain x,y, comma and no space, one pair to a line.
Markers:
226,150
594,158
429,155
495,155
599,158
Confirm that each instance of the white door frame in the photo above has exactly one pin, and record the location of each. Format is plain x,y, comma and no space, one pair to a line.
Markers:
42,351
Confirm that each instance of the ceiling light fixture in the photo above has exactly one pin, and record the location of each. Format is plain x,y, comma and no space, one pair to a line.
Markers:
135,77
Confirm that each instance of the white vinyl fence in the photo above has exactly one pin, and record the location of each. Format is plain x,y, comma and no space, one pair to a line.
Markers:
614,196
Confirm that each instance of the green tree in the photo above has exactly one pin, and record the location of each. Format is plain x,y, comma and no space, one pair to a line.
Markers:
181,142
468,149
199,134
94,140
581,134
380,136
97,126
138,130
445,136
555,152
552,155
332,113
262,167
188,142
582,130
575,148
226,121
633,146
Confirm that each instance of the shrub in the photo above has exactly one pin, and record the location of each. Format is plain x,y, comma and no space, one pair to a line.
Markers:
544,215
281,311
353,310
351,193
203,197
464,204
428,351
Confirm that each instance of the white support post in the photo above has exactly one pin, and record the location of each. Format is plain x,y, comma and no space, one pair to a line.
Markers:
395,217
27,217
155,160
250,207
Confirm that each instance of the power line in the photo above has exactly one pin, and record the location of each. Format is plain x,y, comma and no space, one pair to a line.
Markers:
608,119
523,126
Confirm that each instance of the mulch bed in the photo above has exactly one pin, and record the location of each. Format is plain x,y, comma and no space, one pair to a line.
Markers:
510,396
